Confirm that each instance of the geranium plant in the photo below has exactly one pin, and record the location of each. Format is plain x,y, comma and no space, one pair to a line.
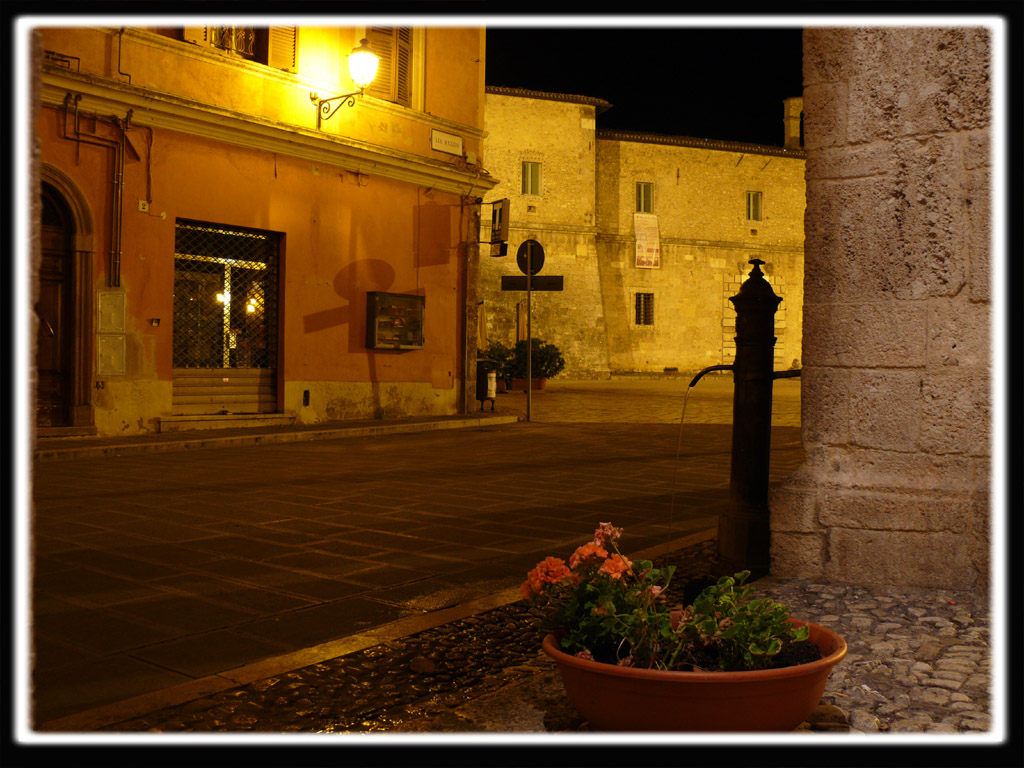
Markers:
606,608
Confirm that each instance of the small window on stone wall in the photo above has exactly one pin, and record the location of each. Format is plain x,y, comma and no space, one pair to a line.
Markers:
645,197
531,178
644,309
753,206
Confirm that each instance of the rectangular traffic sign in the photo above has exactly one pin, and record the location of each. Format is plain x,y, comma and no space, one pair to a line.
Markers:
539,283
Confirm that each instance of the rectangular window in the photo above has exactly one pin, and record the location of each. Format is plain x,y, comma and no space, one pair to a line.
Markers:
531,178
753,206
644,309
394,71
645,197
274,46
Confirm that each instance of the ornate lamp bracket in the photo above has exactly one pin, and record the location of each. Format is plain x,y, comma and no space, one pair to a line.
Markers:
324,110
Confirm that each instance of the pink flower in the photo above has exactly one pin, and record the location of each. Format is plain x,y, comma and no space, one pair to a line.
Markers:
585,654
654,590
605,533
615,566
585,552
550,570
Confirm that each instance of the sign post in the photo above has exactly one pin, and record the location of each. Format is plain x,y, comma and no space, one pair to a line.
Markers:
530,258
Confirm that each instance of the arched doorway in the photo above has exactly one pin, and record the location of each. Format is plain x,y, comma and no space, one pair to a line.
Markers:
56,325
63,309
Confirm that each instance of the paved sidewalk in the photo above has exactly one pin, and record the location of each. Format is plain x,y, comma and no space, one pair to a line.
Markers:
160,568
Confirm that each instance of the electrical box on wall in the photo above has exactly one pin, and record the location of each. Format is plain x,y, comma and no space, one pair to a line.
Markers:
394,320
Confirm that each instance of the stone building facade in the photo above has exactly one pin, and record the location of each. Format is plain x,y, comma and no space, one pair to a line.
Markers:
896,381
212,241
699,209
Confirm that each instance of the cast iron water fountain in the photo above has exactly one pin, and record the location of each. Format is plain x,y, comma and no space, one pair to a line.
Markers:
743,526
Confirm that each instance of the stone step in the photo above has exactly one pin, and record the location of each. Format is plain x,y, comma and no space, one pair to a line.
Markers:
223,421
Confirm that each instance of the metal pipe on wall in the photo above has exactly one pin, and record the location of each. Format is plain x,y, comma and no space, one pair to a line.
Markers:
117,172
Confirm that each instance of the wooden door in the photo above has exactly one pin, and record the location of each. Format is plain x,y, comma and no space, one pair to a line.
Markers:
55,334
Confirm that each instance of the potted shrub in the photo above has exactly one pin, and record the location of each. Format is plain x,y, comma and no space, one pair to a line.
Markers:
630,662
545,361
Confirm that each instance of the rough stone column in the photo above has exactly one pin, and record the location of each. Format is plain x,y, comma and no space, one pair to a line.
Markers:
895,383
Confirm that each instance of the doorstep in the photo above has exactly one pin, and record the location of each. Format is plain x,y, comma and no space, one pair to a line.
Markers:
223,421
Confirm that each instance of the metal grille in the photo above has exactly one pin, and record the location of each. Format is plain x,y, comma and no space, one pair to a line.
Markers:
645,309
238,39
225,297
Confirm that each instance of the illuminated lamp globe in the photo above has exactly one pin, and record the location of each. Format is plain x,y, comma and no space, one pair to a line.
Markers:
362,64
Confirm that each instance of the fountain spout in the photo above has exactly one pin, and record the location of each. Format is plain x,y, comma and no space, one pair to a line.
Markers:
708,370
790,374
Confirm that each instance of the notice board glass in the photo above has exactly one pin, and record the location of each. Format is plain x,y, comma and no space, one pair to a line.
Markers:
394,320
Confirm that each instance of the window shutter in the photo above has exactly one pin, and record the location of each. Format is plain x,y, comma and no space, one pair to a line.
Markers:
382,43
403,66
283,48
199,35
394,72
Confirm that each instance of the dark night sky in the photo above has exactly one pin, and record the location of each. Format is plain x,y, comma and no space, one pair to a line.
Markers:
724,83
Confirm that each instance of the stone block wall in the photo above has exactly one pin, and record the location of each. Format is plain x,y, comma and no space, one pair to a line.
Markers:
557,132
571,319
706,244
584,218
896,327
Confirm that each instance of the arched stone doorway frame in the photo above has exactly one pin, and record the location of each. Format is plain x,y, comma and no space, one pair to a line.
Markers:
82,245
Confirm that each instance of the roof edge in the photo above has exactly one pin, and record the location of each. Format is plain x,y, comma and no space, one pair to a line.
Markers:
689,141
501,90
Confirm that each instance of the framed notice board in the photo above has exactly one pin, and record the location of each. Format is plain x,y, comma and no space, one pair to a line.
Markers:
394,320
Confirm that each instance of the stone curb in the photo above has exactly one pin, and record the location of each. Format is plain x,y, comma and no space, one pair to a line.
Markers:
196,440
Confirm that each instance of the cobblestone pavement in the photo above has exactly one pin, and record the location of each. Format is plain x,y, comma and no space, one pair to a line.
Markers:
918,659
918,662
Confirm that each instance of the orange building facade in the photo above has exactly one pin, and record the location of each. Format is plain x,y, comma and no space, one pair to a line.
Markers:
216,250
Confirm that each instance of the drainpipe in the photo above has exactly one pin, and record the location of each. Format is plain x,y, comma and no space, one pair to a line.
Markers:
117,172
743,528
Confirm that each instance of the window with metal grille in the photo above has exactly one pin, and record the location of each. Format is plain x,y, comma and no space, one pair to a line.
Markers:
531,178
753,206
394,70
274,46
645,197
225,296
644,309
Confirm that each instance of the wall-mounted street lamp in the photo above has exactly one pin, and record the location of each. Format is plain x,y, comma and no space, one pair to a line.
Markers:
362,66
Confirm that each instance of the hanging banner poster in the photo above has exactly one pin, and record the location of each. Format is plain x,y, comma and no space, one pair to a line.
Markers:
648,246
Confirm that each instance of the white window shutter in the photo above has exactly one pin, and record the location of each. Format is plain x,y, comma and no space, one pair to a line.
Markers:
382,43
394,72
198,35
403,66
283,48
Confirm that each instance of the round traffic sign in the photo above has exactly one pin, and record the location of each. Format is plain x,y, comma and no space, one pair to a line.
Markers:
530,251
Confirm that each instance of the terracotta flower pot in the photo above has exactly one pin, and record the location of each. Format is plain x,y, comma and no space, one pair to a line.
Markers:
617,698
535,384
